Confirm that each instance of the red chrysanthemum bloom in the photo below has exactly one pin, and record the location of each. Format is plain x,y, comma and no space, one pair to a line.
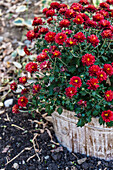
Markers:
78,19
90,23
107,34
76,81
111,28
84,16
67,31
76,7
62,10
71,91
110,2
63,5
60,38
45,50
84,2
112,64
111,13
37,21
64,23
43,30
15,108
101,75
104,13
82,103
93,70
80,37
93,83
27,51
36,88
109,95
104,5
50,13
93,39
13,86
49,21
107,116
70,42
23,80
45,65
22,101
24,91
70,13
108,69
45,10
90,8
50,36
42,56
30,35
88,59
98,17
56,53
55,5
104,24
31,67
52,48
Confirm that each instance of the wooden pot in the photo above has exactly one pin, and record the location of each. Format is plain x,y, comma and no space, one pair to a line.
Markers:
92,139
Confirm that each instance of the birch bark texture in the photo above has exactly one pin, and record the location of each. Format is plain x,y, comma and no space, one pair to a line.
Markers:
92,139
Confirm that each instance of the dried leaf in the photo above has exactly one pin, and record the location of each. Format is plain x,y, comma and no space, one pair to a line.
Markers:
19,22
18,65
20,51
21,8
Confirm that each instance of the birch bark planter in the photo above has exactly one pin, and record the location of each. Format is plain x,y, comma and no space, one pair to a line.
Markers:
92,139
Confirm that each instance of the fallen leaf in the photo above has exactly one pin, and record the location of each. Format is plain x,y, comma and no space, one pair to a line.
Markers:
20,51
19,22
21,8
80,161
6,149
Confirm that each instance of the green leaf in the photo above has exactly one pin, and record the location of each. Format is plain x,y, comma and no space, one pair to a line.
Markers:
81,122
60,110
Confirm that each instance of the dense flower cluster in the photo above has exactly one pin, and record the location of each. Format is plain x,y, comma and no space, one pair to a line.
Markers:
74,63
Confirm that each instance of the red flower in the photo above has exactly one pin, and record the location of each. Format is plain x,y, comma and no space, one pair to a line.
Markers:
88,59
107,116
45,65
24,91
104,13
22,101
78,19
107,34
50,13
36,88
110,2
67,31
45,10
50,36
76,7
37,21
70,42
43,30
13,86
112,64
82,103
52,48
71,91
42,56
23,80
93,70
62,10
93,39
15,108
104,24
56,54
70,13
45,50
101,75
111,28
63,5
64,23
80,37
55,5
109,95
60,38
31,67
90,23
104,5
50,19
76,81
84,16
27,51
90,8
30,35
84,2
93,83
108,69
98,17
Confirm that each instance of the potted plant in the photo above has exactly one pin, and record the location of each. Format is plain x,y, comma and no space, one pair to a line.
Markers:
74,75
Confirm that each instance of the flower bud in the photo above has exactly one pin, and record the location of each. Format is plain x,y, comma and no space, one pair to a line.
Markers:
82,76
63,97
93,99
83,89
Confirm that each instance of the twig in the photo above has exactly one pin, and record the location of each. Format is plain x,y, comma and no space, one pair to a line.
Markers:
18,127
36,150
18,155
31,157
49,133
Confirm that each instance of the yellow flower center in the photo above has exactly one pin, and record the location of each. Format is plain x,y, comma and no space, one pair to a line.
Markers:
71,42
101,75
71,91
78,19
35,88
106,114
88,59
60,37
76,81
107,95
32,66
95,83
22,100
108,68
50,36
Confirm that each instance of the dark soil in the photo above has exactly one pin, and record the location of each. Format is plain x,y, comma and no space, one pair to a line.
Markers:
51,156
